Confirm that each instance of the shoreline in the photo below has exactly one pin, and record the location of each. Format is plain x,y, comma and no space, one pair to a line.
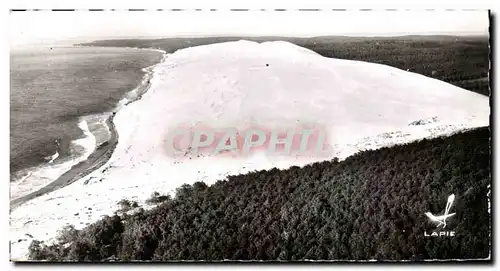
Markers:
139,167
102,153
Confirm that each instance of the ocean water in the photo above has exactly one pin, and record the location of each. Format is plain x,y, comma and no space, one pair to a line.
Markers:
60,98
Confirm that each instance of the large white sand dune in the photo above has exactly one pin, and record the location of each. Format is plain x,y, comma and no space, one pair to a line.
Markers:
363,106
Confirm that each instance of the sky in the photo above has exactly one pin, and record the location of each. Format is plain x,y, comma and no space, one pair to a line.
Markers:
41,27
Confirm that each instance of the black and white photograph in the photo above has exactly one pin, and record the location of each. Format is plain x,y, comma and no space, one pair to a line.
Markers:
250,135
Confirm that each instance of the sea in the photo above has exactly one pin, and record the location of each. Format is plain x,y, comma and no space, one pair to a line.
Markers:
60,98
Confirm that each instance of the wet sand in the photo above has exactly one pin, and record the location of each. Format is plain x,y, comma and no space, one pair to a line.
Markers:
97,159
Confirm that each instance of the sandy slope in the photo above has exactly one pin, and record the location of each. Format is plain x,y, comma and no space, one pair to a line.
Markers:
363,106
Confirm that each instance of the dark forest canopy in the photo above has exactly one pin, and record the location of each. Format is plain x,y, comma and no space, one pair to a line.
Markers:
460,60
370,206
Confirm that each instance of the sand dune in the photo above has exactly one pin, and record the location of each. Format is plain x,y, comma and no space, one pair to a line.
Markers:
236,84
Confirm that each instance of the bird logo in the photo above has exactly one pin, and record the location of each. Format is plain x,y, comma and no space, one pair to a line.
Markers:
442,218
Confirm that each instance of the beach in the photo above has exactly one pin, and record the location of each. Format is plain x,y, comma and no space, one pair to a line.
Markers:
98,158
230,84
101,153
